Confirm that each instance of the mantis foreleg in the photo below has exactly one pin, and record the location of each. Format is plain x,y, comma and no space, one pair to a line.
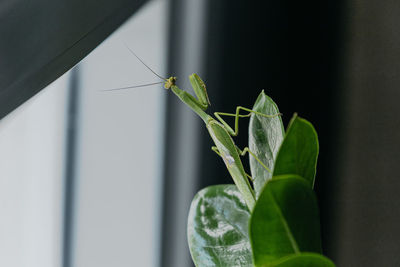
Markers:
215,149
237,115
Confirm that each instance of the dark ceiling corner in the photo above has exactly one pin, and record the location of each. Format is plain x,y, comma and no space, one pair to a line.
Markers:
41,40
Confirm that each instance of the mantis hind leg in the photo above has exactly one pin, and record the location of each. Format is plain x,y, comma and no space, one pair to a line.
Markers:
215,149
245,150
237,115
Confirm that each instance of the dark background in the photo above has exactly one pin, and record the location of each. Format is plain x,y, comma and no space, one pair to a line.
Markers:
336,63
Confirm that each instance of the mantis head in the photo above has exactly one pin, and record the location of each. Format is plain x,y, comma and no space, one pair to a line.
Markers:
169,82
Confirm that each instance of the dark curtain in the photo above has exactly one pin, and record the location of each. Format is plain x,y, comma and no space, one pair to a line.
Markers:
337,64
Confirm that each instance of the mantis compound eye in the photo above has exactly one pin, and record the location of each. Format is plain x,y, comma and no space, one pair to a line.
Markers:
170,82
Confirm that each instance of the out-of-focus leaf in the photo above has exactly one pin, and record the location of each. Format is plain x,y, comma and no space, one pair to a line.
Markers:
265,138
299,151
302,260
285,220
218,228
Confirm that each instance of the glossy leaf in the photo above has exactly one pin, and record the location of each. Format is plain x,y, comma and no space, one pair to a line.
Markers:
265,138
285,220
302,260
218,228
299,151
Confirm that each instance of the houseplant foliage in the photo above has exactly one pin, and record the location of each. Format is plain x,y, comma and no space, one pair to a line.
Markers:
283,228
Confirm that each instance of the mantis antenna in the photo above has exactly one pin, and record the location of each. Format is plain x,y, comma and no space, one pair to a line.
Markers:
167,82
133,53
134,86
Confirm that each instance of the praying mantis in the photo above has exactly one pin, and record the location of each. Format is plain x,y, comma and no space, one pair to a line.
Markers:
220,132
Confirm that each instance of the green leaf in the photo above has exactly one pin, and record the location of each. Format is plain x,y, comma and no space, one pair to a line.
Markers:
299,151
265,138
302,260
285,220
218,228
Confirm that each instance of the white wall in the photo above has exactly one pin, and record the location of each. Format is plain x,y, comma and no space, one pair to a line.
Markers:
119,153
31,179
118,182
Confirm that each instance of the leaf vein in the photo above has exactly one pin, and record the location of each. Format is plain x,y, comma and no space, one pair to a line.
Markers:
286,226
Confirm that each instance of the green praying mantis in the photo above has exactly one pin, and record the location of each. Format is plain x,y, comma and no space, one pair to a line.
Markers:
219,130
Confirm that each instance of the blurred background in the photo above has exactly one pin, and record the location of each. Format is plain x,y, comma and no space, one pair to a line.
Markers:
94,178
